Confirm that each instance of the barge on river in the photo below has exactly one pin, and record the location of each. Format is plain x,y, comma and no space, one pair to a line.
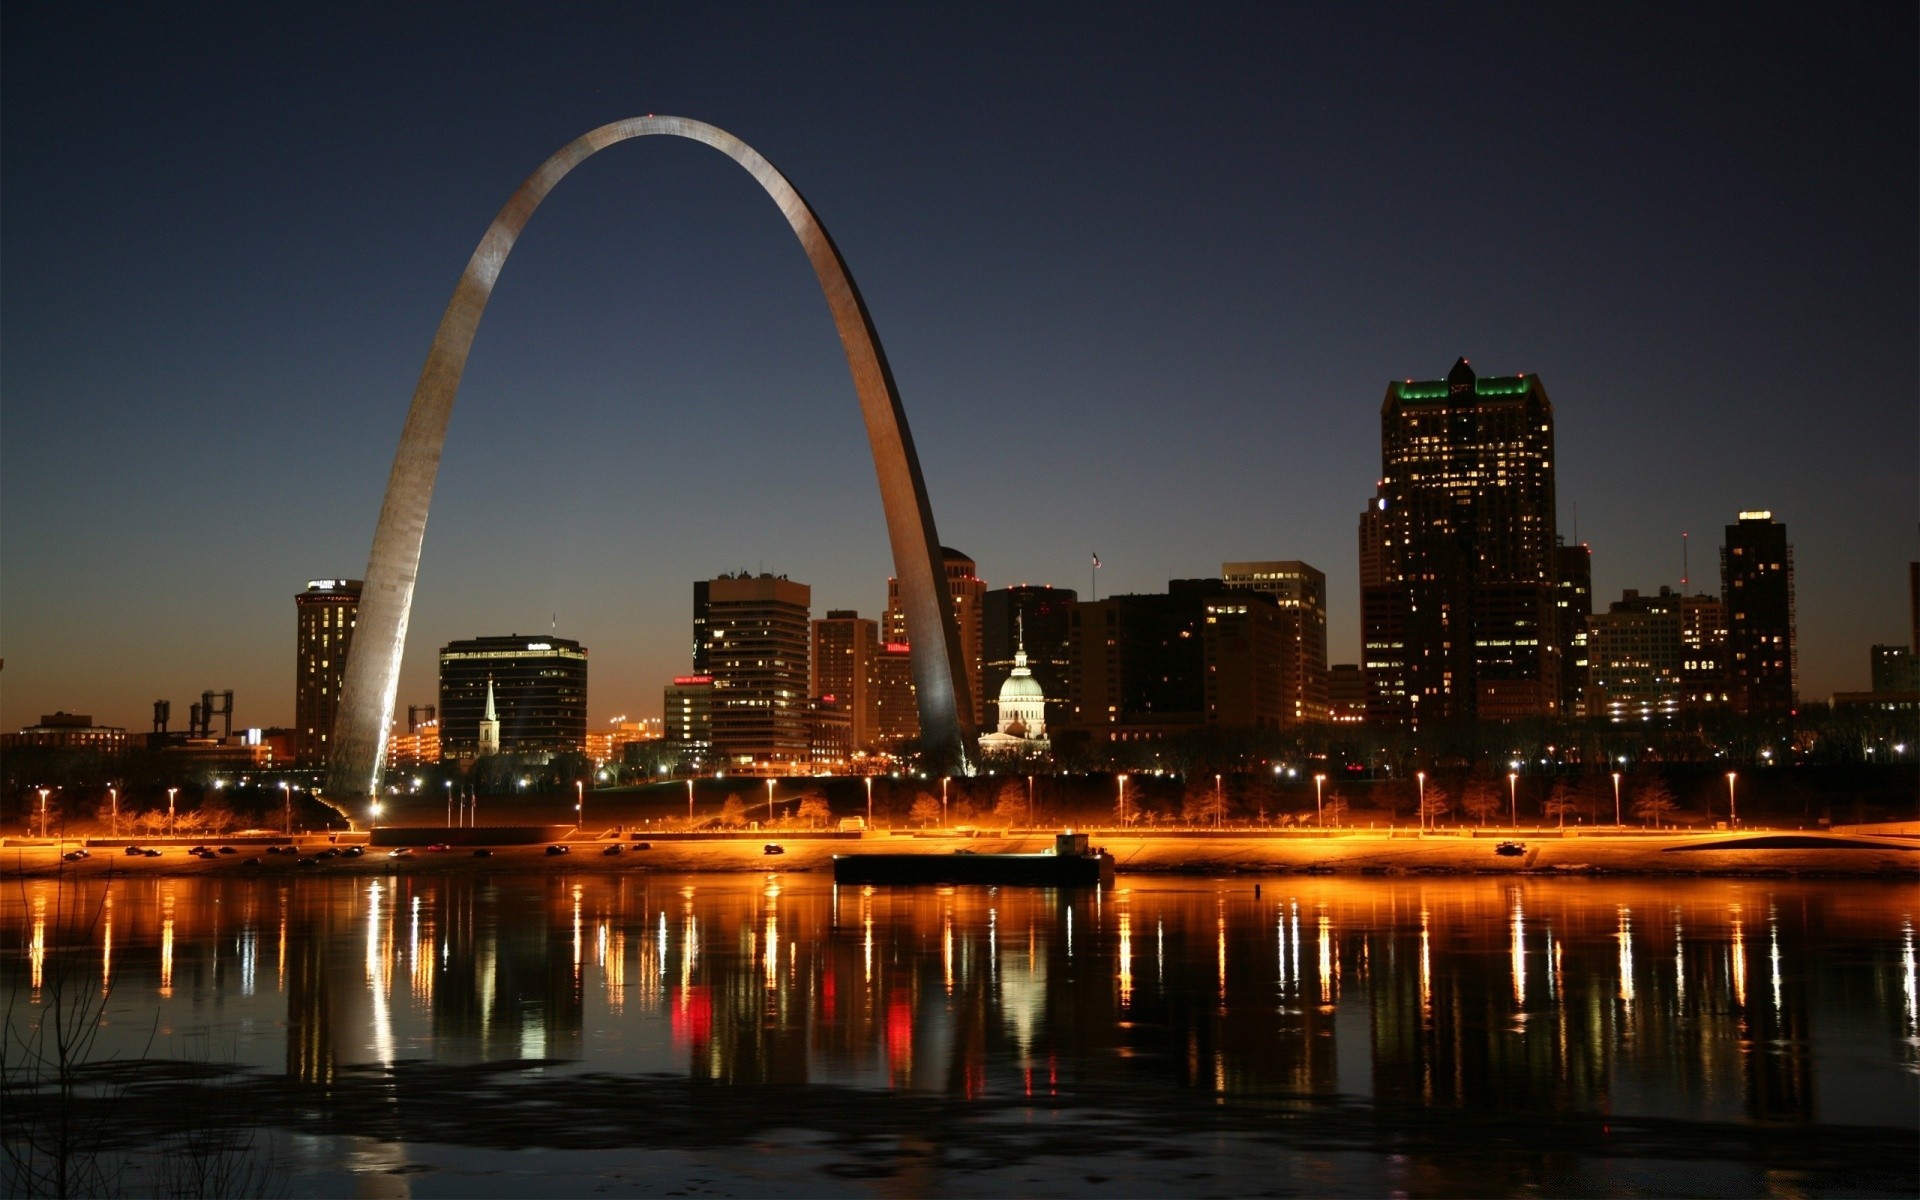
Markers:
1071,863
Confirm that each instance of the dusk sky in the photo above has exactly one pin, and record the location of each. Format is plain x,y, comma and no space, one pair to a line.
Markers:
1143,274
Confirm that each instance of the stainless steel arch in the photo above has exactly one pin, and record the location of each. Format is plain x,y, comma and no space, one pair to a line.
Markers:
386,599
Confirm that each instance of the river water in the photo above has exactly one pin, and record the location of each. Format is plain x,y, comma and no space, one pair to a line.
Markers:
773,1035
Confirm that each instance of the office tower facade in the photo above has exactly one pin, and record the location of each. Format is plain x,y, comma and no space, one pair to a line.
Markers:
1042,614
688,717
1245,641
1346,694
538,687
1300,595
701,666
1894,669
1138,668
845,646
1573,604
1703,647
325,615
968,592
896,711
1756,583
1636,652
757,647
1460,620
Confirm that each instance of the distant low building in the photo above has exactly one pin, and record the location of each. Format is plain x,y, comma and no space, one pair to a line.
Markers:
1347,694
68,731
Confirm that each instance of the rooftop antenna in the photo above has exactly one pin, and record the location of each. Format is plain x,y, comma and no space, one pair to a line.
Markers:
1685,573
1576,522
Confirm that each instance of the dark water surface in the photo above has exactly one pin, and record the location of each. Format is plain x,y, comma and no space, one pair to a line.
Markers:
771,1035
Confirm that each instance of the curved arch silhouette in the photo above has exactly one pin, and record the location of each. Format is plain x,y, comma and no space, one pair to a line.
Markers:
386,600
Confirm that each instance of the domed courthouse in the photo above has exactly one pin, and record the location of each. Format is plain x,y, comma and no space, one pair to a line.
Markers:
1023,708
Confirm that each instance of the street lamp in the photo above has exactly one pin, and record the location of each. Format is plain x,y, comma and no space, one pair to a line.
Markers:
449,784
769,800
869,802
1218,806
1123,799
1616,799
579,802
1421,778
689,802
1733,812
1029,802
373,821
170,793
1513,798
43,811
114,794
1319,808
286,790
944,822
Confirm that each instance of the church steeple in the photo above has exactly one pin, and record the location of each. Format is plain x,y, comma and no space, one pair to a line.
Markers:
489,726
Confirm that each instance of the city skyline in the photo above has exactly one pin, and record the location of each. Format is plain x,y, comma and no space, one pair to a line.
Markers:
195,424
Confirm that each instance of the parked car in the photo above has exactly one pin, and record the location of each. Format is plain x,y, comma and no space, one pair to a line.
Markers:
134,852
150,853
557,848
437,847
74,855
228,850
770,848
616,848
643,845
309,861
483,852
352,852
1510,849
400,852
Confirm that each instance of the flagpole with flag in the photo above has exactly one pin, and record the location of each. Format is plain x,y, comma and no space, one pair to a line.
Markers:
1093,575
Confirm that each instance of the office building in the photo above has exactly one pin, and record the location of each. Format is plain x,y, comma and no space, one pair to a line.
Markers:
536,687
1703,648
688,720
700,664
1138,665
757,647
1346,694
1573,604
1459,606
896,711
1635,651
1756,583
968,593
325,615
419,746
1300,595
1246,639
68,731
845,645
1037,614
1894,669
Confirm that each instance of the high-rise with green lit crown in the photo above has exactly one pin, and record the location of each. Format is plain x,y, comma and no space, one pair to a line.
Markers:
1457,553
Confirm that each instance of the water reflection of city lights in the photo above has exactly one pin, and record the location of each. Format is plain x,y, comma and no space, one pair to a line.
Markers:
1625,935
1426,968
1738,954
37,946
1773,955
166,942
1126,958
1518,937
1910,978
1326,961
106,946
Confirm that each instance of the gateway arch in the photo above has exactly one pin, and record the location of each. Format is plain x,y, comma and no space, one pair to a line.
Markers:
380,632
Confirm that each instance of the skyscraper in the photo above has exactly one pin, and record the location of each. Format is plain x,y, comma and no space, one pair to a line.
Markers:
688,717
536,688
758,658
1458,612
325,615
1756,582
1573,604
1300,594
845,646
1636,655
968,591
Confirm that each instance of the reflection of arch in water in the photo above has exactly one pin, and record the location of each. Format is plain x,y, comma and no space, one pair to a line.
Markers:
380,631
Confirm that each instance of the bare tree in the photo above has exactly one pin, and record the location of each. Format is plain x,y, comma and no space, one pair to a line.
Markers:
925,810
1653,801
1204,803
1436,803
1481,799
1564,799
813,811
